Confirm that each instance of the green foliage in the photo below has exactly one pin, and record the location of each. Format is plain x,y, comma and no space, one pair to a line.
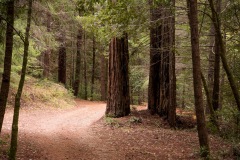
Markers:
213,129
135,120
106,20
204,152
230,118
111,121
46,93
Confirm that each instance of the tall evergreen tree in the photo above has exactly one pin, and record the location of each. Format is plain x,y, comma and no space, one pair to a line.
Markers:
7,61
78,63
62,57
162,78
222,53
14,137
198,96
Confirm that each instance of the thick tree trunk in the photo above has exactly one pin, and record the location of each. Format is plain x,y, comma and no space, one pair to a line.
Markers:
118,103
201,124
216,21
155,59
7,61
93,66
14,137
62,63
162,78
78,63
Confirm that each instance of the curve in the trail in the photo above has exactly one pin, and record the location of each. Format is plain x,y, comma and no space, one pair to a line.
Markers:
58,134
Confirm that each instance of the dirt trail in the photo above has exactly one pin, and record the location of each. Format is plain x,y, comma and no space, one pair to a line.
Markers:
61,134
57,134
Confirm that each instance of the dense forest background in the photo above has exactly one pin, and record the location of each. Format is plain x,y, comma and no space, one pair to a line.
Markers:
71,43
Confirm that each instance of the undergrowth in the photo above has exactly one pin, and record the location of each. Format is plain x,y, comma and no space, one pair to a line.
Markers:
39,93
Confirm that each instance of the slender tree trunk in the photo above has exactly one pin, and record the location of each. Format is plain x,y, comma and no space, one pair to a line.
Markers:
85,68
47,53
62,66
211,58
221,97
213,117
103,78
118,103
172,75
46,63
14,137
216,21
201,124
93,66
7,61
216,88
78,63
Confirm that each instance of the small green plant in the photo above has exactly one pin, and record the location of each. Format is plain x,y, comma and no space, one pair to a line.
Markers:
204,153
134,119
213,129
111,121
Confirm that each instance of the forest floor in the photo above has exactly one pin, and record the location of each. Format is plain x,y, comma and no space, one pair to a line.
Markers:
82,132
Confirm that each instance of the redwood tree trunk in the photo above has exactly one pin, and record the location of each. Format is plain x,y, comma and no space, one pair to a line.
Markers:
118,103
78,63
201,124
7,61
155,59
162,78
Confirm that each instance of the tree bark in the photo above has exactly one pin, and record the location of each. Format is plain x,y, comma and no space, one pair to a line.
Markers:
118,104
155,59
14,137
78,63
211,59
201,124
62,63
216,87
213,118
7,61
162,78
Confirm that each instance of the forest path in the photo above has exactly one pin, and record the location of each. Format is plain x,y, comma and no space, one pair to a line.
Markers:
79,133
57,134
